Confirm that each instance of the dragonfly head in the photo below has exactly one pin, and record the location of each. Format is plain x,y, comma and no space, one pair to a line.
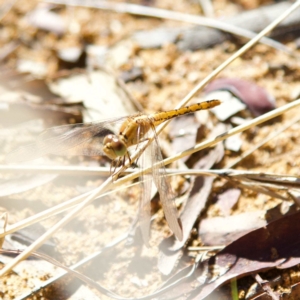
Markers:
113,147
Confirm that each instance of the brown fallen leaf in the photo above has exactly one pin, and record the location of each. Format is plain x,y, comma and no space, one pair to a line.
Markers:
171,249
183,132
258,100
275,245
223,230
227,200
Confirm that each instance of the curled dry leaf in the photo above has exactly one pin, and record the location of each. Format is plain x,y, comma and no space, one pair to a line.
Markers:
171,249
267,247
275,245
258,100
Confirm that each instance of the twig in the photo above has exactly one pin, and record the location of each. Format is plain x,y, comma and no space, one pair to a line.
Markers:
36,244
213,141
207,7
109,183
61,170
54,211
264,141
140,10
70,270
265,284
136,174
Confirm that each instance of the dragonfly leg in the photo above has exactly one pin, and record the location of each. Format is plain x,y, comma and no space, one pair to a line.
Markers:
113,167
117,163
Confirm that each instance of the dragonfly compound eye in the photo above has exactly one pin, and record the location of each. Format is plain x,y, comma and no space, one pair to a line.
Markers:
113,147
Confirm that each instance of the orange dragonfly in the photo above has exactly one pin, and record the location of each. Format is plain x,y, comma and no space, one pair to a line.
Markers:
100,138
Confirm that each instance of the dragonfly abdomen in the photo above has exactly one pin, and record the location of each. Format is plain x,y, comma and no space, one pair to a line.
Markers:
161,117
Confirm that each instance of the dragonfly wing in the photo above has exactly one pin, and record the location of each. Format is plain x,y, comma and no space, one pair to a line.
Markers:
166,193
145,204
77,139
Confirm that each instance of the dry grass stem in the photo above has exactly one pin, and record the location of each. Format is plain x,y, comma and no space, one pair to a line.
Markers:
141,10
264,141
57,209
108,184
213,141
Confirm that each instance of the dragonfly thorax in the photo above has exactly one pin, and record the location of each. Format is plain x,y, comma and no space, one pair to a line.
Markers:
114,147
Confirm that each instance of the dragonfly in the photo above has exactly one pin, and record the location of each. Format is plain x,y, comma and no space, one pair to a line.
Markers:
101,138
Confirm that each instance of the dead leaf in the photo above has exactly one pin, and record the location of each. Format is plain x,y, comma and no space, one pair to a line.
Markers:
100,92
171,249
258,100
223,230
183,132
231,105
227,200
274,245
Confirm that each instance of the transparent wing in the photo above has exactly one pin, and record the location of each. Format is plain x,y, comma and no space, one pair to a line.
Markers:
145,201
77,139
167,196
